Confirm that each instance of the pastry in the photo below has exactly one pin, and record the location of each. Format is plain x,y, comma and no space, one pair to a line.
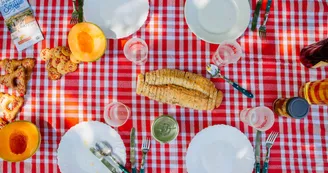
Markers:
53,74
58,61
11,65
10,106
179,88
16,80
2,122
46,54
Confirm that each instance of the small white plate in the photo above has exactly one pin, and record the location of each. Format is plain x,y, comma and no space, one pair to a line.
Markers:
215,21
117,18
220,148
73,151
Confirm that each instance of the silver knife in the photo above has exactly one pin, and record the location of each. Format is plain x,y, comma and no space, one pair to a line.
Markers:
133,150
258,152
103,160
256,14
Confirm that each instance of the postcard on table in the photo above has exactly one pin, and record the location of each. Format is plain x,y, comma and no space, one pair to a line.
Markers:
19,18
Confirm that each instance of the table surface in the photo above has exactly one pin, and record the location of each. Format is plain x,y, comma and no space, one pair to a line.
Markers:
270,69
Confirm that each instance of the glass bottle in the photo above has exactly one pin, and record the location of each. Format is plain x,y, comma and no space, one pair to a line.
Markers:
315,92
315,55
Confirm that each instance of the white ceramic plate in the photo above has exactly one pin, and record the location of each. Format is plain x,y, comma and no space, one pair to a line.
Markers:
117,18
220,148
215,21
73,151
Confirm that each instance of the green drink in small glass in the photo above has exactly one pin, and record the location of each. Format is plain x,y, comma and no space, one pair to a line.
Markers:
165,129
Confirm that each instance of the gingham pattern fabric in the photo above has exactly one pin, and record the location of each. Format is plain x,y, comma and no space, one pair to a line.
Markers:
270,69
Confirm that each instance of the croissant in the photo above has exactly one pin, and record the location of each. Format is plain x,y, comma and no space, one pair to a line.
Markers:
179,88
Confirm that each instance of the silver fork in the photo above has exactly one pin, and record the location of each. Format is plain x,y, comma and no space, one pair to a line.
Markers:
269,142
75,15
145,148
262,30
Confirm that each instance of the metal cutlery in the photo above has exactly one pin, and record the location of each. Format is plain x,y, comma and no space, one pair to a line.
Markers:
262,30
269,142
256,14
258,152
103,160
75,15
106,150
145,148
133,150
214,71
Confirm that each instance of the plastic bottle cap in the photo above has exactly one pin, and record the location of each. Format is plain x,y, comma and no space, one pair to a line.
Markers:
298,107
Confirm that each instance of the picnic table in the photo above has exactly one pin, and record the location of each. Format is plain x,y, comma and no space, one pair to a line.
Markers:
269,68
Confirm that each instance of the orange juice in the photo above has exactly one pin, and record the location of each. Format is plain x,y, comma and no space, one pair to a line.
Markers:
315,92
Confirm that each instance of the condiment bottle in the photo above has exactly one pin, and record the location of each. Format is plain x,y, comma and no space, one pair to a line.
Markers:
315,92
315,55
295,107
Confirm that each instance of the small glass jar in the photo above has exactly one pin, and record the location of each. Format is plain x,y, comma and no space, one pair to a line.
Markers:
295,107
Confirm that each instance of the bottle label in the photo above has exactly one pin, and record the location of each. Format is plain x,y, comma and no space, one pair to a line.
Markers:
320,64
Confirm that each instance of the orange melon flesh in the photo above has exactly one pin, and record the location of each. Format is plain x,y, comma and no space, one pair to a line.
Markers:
87,42
19,141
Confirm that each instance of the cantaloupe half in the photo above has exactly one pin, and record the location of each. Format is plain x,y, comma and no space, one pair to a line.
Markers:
19,140
87,42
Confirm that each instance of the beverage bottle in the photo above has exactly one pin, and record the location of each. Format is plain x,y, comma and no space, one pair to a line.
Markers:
315,55
315,92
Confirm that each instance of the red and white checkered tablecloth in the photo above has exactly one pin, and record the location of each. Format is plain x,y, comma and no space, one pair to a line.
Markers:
270,69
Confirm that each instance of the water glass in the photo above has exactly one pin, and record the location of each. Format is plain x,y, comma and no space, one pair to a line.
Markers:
228,52
116,114
136,50
261,118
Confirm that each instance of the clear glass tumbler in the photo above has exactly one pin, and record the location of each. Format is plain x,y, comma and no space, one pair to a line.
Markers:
116,114
228,52
261,118
136,50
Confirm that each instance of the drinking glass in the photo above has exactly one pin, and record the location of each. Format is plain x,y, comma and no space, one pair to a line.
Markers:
116,114
136,50
228,52
261,118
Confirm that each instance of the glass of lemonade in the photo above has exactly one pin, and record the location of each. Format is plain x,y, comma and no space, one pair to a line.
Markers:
116,114
261,118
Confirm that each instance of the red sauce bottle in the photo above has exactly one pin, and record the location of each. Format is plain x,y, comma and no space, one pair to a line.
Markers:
315,55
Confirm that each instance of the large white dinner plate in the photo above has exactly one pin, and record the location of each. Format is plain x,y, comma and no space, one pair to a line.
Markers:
117,18
215,21
73,151
220,148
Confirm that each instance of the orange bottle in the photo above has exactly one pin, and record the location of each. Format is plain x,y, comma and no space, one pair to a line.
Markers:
315,92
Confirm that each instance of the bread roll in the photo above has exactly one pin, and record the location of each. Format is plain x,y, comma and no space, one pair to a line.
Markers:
179,88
